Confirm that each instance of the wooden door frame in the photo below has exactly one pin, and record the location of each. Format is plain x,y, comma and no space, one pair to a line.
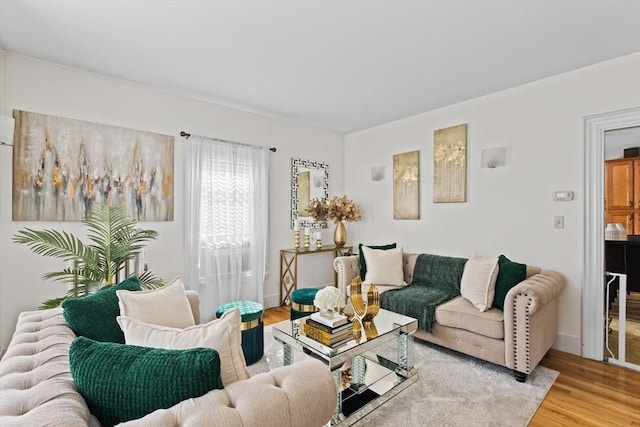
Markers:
595,126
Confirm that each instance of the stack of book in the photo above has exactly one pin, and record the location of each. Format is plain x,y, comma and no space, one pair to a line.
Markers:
330,332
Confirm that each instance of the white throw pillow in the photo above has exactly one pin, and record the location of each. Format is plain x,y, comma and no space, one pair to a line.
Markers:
478,284
222,334
167,306
384,267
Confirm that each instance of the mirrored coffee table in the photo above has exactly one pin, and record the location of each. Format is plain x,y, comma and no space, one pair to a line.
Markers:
364,379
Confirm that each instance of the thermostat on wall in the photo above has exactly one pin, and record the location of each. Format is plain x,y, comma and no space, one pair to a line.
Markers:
562,196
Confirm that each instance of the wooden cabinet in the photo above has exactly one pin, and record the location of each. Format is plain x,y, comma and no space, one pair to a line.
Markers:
636,183
622,193
624,217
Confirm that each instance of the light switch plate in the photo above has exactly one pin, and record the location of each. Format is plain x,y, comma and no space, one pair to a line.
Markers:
558,221
562,196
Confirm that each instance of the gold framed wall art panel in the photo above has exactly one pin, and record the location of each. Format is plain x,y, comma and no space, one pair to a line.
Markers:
406,185
450,165
63,166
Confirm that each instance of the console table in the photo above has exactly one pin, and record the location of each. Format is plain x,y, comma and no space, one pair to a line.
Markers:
289,266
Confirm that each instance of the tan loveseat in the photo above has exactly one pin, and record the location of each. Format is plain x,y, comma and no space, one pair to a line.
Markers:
36,387
517,338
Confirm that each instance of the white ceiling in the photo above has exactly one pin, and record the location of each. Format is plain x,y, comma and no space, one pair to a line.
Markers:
341,65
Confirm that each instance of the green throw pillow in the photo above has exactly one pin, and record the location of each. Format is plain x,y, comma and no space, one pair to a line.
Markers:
509,274
125,382
94,316
363,263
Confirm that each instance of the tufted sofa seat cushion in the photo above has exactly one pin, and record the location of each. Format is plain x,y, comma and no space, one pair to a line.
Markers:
37,388
277,391
460,313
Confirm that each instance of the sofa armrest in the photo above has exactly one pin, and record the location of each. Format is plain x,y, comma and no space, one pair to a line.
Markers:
302,394
531,320
194,303
36,387
347,268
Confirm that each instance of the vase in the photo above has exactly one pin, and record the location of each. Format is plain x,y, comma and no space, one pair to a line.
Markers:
611,232
340,235
622,232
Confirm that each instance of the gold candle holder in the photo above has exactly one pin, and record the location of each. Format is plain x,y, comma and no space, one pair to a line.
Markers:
319,243
307,241
296,239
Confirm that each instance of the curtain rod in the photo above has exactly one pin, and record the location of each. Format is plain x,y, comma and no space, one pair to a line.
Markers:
186,135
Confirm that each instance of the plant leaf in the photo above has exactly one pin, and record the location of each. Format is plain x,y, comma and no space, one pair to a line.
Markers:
115,241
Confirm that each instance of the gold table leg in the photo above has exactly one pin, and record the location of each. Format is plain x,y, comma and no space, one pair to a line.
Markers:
288,270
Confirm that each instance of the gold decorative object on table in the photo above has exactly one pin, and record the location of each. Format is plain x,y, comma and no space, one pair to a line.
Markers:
340,235
319,240
368,326
296,239
342,209
364,311
296,235
307,238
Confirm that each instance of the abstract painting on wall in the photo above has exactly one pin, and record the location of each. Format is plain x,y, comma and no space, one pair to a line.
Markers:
63,166
406,185
450,165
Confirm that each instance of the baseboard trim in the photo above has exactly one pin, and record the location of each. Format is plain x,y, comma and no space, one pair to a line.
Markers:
271,301
568,343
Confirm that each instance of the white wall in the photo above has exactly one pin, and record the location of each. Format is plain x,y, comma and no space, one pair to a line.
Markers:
508,210
42,87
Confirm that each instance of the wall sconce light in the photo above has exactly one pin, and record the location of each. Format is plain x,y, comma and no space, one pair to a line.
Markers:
494,158
377,173
6,130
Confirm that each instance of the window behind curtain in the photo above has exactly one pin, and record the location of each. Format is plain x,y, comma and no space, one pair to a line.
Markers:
225,204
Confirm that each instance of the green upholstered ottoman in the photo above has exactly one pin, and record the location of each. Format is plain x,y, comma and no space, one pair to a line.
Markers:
252,328
302,302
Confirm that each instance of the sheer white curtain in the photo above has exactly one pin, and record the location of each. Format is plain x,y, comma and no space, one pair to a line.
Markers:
225,221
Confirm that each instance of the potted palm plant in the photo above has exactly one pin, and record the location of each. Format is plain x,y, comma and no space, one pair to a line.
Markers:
115,241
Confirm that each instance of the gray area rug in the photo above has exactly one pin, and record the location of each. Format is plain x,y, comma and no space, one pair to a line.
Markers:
452,389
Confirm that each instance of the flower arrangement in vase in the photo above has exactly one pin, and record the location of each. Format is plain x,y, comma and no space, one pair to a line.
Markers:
340,209
317,209
329,301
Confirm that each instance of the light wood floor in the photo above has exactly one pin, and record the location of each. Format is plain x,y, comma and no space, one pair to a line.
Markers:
586,393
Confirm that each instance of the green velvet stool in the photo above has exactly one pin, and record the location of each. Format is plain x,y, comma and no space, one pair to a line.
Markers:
252,328
302,302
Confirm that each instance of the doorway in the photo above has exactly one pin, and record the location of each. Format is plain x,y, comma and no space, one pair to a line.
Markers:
622,246
594,324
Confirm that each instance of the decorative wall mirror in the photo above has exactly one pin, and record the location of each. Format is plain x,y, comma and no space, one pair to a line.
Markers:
309,180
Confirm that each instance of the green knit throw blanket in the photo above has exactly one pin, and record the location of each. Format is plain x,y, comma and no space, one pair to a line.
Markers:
436,279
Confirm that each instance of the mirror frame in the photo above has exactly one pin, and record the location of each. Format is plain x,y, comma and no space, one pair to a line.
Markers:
296,166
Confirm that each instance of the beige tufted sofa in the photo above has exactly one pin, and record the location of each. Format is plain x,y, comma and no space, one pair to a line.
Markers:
517,338
36,387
